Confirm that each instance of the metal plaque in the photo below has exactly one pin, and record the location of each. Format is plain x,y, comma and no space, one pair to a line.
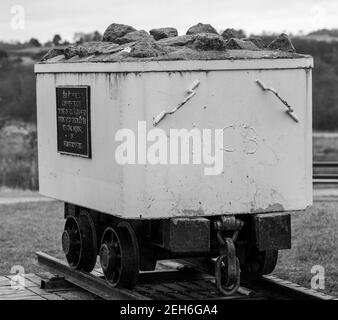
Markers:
73,120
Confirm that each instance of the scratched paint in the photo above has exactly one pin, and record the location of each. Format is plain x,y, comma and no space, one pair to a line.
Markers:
240,138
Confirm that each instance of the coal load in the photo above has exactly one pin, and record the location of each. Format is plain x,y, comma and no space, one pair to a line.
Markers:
122,42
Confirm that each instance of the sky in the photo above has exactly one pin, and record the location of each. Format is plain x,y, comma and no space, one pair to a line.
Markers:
24,19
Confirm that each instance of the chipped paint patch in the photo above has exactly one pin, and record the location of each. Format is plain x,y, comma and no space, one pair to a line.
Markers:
277,207
193,213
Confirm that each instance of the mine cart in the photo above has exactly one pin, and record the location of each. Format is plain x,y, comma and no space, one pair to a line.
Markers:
179,154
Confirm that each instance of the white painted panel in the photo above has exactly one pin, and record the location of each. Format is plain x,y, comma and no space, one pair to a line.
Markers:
270,172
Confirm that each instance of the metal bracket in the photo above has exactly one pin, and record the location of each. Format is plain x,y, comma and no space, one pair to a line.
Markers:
228,223
191,91
290,110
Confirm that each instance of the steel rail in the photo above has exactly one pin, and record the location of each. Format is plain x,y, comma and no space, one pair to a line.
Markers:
325,164
86,281
267,286
194,270
98,286
326,181
277,288
325,177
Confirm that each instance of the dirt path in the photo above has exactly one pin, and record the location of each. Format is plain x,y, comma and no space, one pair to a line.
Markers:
325,192
15,200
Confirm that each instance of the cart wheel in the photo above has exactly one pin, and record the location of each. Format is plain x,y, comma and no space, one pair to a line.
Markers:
260,262
79,242
119,256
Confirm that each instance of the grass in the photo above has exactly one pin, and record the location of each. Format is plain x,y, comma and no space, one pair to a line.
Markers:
325,146
6,192
314,242
18,156
27,228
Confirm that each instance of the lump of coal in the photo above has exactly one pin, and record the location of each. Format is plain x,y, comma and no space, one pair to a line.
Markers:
201,28
132,36
282,43
208,41
184,53
237,44
256,41
232,33
94,48
83,50
162,33
177,41
70,52
145,48
53,53
88,48
202,42
107,48
115,31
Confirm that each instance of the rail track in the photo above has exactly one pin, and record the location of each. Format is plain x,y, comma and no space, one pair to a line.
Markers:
325,173
180,280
